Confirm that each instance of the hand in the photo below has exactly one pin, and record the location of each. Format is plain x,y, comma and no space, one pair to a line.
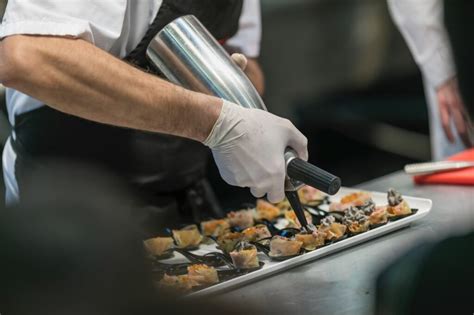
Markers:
240,60
451,107
249,145
253,71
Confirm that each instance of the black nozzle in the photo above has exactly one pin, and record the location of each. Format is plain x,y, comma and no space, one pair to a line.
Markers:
313,176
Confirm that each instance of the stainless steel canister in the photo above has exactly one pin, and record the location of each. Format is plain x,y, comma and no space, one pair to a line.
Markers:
188,55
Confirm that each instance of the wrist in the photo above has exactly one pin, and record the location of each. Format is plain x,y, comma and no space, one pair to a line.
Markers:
218,130
451,81
211,108
198,114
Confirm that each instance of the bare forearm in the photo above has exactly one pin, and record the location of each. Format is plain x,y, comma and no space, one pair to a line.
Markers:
255,74
75,77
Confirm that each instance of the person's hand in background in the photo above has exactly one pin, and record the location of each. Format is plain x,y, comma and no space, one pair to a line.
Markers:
252,69
240,60
248,146
452,108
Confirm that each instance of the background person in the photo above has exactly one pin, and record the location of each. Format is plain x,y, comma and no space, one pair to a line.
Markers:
422,25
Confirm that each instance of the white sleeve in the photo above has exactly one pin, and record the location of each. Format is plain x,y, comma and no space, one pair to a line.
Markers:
421,24
97,21
247,40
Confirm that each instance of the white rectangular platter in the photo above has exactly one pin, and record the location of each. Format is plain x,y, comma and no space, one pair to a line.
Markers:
272,267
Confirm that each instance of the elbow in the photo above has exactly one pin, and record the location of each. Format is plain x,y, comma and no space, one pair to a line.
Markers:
13,61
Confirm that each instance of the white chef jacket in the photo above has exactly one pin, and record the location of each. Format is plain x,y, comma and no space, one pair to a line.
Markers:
422,25
116,26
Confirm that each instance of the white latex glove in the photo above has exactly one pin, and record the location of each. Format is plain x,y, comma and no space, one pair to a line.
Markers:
249,145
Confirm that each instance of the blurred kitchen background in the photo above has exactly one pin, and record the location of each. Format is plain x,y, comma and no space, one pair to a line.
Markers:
342,72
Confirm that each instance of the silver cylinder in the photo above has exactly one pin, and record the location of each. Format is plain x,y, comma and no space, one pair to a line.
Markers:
188,55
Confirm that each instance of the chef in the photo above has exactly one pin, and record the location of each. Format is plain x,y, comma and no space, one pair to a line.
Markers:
421,23
80,88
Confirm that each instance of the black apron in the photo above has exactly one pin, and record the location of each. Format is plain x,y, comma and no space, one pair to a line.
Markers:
162,168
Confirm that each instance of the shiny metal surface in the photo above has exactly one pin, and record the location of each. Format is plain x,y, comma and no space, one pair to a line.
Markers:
343,283
188,55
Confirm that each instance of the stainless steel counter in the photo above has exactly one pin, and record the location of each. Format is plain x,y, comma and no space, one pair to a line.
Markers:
343,283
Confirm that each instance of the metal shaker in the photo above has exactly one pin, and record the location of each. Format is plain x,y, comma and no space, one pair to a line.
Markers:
188,55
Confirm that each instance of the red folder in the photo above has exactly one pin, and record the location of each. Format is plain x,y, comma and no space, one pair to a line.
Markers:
456,177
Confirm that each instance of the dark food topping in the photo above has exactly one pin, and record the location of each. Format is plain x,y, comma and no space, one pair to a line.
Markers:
328,221
354,215
368,207
315,233
308,230
394,197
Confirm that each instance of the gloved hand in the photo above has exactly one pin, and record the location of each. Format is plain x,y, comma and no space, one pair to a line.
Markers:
248,146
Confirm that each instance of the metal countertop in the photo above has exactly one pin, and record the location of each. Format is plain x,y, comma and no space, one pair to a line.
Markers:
343,283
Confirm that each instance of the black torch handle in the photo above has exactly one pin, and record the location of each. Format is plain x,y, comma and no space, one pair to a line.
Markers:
313,176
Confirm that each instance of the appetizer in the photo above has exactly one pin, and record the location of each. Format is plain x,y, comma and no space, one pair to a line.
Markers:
245,256
332,229
356,220
397,206
159,245
214,228
293,220
187,237
197,276
367,207
379,216
227,241
310,196
202,275
176,283
284,206
256,233
356,199
266,211
311,241
281,247
242,219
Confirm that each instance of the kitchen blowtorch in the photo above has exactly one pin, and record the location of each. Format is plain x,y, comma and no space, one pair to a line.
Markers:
188,55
